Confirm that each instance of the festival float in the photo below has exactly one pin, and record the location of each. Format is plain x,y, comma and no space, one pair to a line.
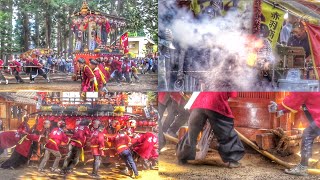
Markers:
96,35
34,53
114,110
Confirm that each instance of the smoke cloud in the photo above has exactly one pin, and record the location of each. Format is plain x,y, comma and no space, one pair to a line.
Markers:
217,46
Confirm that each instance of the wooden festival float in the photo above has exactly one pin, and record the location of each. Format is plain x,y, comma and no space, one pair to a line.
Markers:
96,35
114,110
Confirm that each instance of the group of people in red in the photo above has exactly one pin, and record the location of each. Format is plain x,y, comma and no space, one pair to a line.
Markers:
32,65
129,146
97,72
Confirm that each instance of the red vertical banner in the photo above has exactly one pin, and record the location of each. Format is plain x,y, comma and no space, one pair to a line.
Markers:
314,41
125,43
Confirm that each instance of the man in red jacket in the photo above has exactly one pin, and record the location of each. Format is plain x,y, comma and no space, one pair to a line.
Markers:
37,70
24,127
16,69
21,153
78,141
101,66
89,81
101,79
214,107
122,143
309,101
56,137
116,67
144,147
97,146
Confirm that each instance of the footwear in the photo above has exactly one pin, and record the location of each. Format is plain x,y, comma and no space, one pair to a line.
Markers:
94,175
31,82
182,161
125,171
55,170
7,82
299,170
63,172
11,168
170,133
40,170
48,80
137,177
234,164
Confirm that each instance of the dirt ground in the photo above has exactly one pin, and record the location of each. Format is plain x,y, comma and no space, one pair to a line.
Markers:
81,172
254,167
63,82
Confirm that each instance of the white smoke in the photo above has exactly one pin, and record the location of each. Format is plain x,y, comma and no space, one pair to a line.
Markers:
226,38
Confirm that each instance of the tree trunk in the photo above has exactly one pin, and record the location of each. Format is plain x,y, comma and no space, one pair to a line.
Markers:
36,29
26,32
48,28
59,37
10,29
70,36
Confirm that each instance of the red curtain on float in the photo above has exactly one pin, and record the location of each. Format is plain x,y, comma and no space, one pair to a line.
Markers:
314,41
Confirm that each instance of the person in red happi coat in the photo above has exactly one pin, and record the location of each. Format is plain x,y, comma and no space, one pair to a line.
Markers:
122,144
24,127
21,153
116,65
89,81
78,141
56,137
214,107
16,69
101,79
36,70
144,147
309,101
101,66
97,146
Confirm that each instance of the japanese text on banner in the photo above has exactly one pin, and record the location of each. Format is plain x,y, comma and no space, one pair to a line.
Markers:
273,18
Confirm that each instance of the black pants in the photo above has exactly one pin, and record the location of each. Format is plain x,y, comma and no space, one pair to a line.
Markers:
230,146
118,76
72,158
37,72
308,136
96,164
180,119
14,161
172,112
17,76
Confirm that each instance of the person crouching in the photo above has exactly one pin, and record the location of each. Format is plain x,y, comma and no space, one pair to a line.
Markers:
21,153
121,142
56,136
78,141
